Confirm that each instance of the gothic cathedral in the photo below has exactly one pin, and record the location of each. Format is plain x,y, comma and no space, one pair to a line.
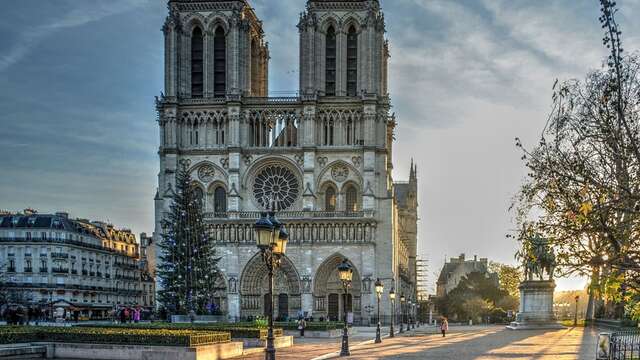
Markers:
325,156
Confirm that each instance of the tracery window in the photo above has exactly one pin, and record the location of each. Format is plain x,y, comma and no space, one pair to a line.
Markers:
330,199
219,200
219,63
330,62
276,184
197,49
352,62
352,199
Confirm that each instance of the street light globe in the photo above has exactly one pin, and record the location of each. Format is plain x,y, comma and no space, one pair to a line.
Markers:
263,231
345,272
379,287
402,298
392,294
281,243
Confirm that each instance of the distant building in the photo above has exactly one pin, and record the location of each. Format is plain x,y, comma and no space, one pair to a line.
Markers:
457,268
84,267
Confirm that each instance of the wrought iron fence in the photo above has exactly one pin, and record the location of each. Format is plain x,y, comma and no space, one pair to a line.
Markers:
624,345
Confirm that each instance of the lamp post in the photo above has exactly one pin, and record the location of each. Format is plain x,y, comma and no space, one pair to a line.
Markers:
575,316
379,289
271,239
410,315
402,300
392,296
345,271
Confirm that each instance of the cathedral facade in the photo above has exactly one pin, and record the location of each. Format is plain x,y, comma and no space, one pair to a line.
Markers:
324,156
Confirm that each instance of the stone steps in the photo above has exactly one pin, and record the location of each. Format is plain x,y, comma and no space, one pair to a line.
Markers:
23,352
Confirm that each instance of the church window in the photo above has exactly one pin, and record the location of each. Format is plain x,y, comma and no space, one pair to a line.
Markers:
254,68
219,63
198,195
352,62
219,200
197,48
330,199
328,132
352,198
277,184
330,62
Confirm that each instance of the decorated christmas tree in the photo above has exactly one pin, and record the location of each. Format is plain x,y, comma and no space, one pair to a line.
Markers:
188,262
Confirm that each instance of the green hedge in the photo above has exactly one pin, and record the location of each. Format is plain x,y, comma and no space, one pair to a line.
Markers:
103,335
236,330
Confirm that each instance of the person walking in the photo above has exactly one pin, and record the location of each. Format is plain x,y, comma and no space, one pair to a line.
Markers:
301,325
444,326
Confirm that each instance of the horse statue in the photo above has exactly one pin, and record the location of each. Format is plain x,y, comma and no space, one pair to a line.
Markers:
538,258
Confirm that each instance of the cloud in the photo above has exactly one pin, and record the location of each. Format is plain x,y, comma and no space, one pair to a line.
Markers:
89,12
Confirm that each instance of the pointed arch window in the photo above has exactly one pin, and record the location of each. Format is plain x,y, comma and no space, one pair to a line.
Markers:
219,63
352,199
330,62
330,199
254,68
197,55
198,195
352,62
219,200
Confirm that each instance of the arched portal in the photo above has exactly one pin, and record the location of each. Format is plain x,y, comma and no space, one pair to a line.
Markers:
328,294
218,301
254,287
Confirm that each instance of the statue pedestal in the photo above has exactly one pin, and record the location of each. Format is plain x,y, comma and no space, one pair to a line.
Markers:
536,306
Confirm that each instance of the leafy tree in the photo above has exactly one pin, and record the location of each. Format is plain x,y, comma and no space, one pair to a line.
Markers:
475,285
509,277
477,308
188,260
583,187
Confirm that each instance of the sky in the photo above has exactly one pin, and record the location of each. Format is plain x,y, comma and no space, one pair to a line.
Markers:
78,129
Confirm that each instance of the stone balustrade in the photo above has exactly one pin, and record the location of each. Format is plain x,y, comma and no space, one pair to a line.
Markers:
338,228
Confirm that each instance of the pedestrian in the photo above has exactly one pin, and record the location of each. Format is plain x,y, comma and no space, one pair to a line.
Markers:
301,325
444,326
136,314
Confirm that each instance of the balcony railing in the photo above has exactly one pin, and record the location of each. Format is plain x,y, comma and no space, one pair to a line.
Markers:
44,270
11,269
290,215
28,270
59,255
74,272
327,227
60,271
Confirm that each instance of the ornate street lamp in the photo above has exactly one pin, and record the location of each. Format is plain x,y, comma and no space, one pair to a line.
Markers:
402,300
392,296
271,239
345,272
379,289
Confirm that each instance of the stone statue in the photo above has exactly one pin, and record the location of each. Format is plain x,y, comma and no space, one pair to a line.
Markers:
536,292
538,258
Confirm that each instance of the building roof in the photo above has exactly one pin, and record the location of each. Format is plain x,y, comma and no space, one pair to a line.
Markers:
60,221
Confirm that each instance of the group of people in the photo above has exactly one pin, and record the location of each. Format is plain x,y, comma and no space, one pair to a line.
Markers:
22,315
128,314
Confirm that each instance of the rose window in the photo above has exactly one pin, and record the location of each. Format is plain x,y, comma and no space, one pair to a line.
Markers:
276,183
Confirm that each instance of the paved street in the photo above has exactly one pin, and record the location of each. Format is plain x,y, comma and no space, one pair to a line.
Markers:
479,343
